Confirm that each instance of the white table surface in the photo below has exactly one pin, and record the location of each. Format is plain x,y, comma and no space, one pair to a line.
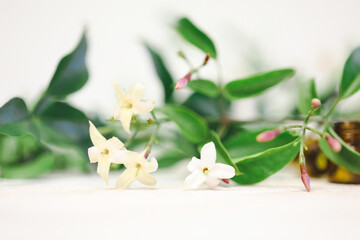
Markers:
73,206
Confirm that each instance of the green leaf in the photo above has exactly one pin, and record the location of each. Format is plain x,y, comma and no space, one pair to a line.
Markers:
347,157
66,120
258,167
170,157
162,72
206,106
15,119
71,74
38,166
244,143
205,87
256,84
221,150
191,125
307,91
195,36
350,82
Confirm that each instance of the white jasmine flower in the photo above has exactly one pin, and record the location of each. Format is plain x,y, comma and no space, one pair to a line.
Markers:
131,103
137,168
104,152
206,170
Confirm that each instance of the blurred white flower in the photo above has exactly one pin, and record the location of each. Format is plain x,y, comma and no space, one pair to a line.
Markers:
137,168
206,170
131,103
104,152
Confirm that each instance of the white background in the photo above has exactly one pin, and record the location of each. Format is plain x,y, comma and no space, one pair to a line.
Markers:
314,37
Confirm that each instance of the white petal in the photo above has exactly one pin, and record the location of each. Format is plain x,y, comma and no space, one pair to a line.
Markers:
194,164
208,154
222,171
126,178
194,180
97,139
145,178
212,182
114,145
103,169
118,109
151,166
136,91
94,154
143,106
125,118
124,157
120,93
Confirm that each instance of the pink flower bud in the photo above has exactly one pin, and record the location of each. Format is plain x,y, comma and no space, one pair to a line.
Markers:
315,103
333,143
225,180
146,155
305,177
268,135
182,82
207,57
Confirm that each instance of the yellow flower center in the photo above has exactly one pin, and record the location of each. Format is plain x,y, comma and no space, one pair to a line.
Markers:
205,170
105,152
129,105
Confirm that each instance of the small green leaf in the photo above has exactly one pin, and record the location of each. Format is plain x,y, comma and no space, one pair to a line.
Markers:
191,125
256,84
205,87
195,36
347,157
71,74
350,82
12,111
244,143
15,119
307,91
38,166
162,72
66,120
221,150
258,167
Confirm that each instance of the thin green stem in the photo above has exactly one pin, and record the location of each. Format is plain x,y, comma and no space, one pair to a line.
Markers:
302,144
332,108
321,134
301,154
132,138
285,128
154,134
152,138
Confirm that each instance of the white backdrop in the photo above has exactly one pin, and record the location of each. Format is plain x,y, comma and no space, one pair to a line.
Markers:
315,37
